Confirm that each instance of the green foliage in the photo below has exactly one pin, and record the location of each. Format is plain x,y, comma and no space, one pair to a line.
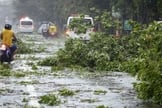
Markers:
66,92
29,82
56,68
139,54
50,99
101,106
25,100
136,9
19,74
140,10
5,70
34,67
98,92
23,48
147,64
80,25
50,61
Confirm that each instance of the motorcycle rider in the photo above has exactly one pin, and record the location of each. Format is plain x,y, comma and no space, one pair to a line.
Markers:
7,36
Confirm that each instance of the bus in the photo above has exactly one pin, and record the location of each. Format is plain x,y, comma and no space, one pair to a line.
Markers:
26,25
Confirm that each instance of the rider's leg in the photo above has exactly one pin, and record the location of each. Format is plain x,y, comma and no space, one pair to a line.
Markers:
13,49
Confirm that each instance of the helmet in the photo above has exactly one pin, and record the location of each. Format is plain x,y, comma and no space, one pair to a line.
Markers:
8,26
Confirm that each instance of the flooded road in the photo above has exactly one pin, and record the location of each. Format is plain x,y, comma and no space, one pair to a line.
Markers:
29,82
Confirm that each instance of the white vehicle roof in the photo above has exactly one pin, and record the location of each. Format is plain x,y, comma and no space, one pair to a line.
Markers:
85,17
159,22
26,19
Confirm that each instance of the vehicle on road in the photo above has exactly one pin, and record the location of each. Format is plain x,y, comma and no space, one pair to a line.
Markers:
26,25
75,23
48,29
52,30
159,22
42,27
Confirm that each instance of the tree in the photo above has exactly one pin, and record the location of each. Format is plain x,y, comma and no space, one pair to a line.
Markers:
143,11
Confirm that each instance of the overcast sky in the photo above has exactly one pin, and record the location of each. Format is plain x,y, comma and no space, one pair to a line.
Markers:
6,12
5,2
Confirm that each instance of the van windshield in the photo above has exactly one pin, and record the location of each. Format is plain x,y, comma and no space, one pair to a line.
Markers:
86,22
26,23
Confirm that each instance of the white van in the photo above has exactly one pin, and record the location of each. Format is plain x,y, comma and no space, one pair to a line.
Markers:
26,25
71,32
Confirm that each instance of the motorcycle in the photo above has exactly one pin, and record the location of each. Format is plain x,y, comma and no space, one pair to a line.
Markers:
5,54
